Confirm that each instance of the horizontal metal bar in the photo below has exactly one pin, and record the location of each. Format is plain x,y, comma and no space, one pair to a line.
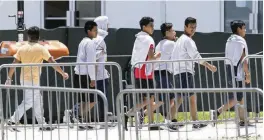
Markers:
86,18
62,124
182,60
251,56
258,53
52,89
58,64
113,56
190,122
186,90
108,56
55,18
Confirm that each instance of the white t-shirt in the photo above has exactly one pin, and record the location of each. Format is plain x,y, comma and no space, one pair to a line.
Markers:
86,53
165,47
234,49
185,48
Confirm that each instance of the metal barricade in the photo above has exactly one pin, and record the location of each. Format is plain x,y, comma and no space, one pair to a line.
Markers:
224,128
15,129
201,79
110,85
254,102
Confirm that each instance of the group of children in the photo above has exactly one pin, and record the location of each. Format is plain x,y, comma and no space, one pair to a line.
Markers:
180,73
163,75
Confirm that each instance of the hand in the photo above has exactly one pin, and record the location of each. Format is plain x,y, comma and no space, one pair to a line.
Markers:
247,78
157,55
92,84
212,68
65,76
8,82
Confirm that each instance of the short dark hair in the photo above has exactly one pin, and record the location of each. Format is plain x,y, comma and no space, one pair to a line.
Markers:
33,33
236,24
165,27
145,21
189,20
89,25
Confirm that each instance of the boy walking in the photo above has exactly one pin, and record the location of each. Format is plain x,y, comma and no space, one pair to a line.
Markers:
184,71
163,75
143,50
236,50
32,52
85,75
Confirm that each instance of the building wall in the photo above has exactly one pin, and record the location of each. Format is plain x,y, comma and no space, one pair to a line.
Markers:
32,10
207,13
126,14
123,14
7,8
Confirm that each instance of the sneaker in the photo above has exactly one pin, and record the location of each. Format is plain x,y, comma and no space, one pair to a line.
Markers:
213,116
154,128
11,128
85,128
198,126
173,128
67,118
175,120
46,128
140,118
126,121
75,120
242,123
10,123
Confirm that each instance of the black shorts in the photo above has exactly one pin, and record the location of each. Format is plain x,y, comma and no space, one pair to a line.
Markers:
230,85
83,81
184,80
144,84
163,80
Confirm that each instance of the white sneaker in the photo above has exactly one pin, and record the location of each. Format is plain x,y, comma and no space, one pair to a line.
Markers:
213,116
67,116
140,119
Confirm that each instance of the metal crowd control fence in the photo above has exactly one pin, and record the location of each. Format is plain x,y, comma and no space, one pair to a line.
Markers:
119,56
110,85
201,78
255,102
220,131
27,131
